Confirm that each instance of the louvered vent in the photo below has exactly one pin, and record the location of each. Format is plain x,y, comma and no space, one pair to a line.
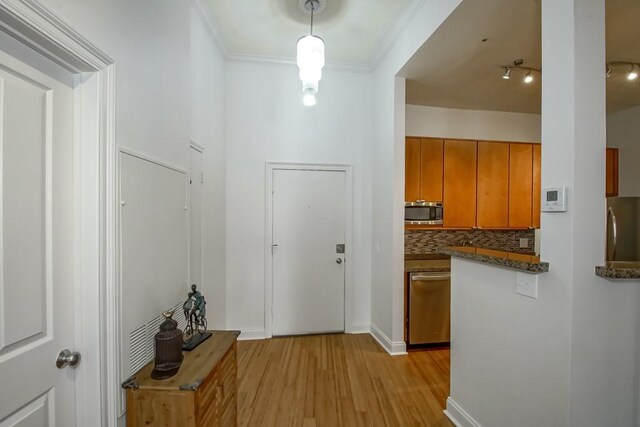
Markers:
142,339
138,345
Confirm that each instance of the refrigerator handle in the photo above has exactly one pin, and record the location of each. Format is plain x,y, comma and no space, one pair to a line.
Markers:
614,233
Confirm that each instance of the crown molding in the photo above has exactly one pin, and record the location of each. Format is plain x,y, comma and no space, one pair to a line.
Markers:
391,37
204,13
342,66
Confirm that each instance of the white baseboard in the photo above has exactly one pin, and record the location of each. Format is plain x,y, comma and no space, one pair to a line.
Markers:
359,329
393,348
251,334
458,416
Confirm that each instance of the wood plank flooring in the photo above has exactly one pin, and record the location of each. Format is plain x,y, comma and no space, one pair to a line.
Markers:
339,380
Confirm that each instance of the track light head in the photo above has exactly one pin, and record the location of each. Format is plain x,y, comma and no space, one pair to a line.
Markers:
528,78
507,71
633,73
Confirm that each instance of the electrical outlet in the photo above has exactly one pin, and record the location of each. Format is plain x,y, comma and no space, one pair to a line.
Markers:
527,285
524,243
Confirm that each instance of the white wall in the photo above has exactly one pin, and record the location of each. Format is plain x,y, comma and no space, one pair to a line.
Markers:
509,353
623,132
388,163
576,346
169,80
472,124
267,122
208,128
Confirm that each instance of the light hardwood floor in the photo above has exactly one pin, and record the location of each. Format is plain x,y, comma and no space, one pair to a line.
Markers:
339,380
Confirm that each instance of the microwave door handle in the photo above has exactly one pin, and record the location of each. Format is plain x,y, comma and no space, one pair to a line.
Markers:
614,233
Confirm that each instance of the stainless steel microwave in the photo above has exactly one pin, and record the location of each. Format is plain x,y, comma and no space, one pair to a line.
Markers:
423,213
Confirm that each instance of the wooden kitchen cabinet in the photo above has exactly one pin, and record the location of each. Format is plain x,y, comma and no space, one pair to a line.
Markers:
612,172
202,394
520,185
493,185
459,190
537,191
412,170
423,169
431,169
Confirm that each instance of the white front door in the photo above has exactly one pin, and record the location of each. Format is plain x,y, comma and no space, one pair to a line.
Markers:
36,246
309,220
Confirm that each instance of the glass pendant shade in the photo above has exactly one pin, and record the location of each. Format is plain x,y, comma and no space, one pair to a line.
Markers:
310,59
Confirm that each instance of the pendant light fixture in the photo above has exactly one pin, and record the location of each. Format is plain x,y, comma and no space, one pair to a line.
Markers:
310,58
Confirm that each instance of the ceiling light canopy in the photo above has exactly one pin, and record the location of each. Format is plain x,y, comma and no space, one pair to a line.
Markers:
310,59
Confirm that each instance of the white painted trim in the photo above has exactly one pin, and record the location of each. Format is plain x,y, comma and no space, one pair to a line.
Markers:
200,149
360,329
459,416
94,149
196,146
389,39
393,348
204,13
252,334
342,66
151,159
268,277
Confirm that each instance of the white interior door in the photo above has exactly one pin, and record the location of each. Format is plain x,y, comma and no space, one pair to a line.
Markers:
309,220
36,246
196,179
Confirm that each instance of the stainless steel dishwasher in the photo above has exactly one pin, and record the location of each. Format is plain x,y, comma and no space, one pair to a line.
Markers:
429,308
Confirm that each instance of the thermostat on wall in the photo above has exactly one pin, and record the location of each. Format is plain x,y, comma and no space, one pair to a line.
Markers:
554,199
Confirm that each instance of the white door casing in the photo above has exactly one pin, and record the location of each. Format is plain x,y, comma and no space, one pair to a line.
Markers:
37,245
95,291
196,181
309,213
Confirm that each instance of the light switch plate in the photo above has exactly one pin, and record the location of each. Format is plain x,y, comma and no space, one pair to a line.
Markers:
527,285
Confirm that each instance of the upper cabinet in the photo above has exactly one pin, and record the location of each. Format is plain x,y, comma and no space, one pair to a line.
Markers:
423,169
493,185
537,190
520,185
612,172
459,204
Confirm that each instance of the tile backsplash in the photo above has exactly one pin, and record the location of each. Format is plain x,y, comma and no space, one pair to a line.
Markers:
428,241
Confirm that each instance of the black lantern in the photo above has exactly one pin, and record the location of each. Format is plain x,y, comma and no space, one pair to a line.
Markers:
168,348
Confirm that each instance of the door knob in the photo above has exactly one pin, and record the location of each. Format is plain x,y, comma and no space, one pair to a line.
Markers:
339,260
67,358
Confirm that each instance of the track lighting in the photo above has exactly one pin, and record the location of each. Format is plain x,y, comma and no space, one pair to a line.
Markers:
517,66
632,69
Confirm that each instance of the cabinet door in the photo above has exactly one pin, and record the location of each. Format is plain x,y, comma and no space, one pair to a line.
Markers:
460,161
520,185
412,170
612,172
537,191
431,164
493,184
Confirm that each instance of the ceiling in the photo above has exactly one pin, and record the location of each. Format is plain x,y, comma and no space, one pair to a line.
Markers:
353,30
455,68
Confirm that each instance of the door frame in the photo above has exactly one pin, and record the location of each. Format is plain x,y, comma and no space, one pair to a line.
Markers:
199,148
271,167
95,263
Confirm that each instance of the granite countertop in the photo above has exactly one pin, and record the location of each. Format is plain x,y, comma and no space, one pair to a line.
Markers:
618,270
511,260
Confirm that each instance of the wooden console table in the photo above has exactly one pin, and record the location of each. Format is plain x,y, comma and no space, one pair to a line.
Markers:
202,394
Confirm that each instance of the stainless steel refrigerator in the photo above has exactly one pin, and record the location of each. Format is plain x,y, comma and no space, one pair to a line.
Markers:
623,229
